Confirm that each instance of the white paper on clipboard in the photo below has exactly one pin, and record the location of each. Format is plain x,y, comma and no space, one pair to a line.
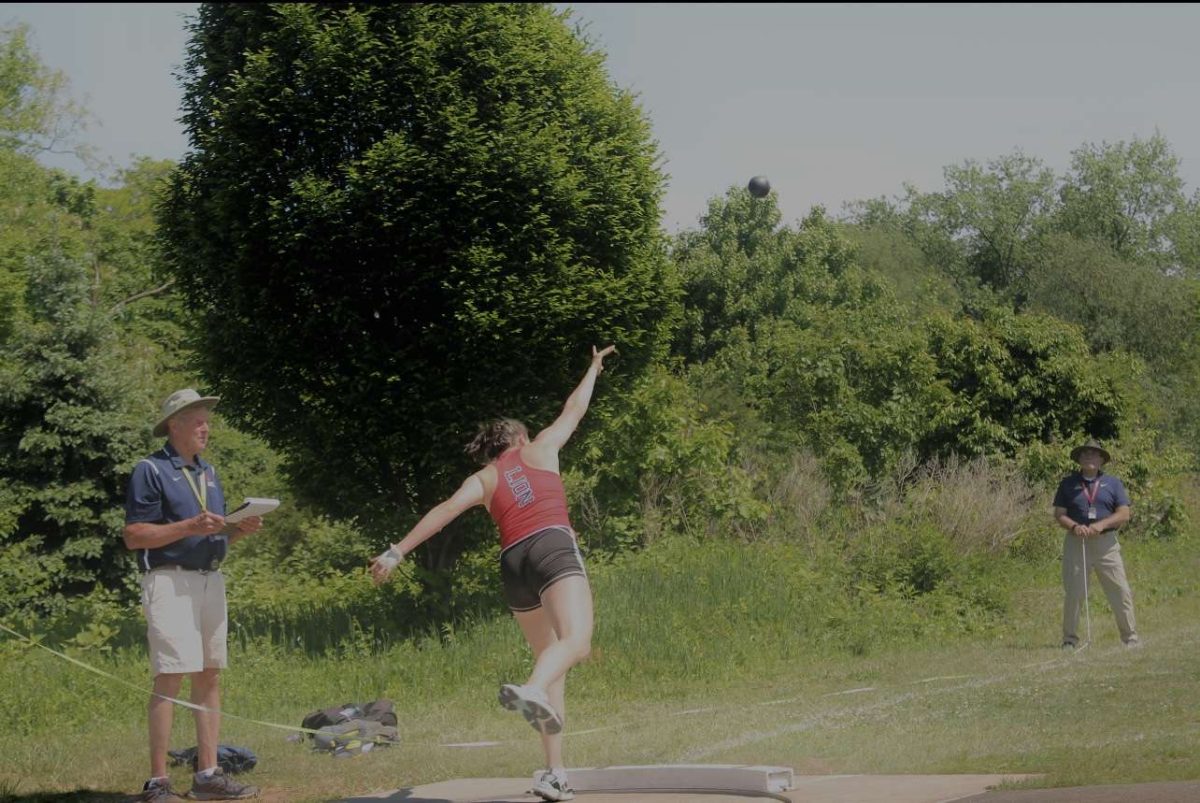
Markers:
251,507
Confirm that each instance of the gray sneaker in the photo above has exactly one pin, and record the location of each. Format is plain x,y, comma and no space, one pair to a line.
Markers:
533,705
551,787
220,786
159,793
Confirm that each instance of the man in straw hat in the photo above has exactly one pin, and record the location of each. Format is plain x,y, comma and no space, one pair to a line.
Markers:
1091,506
175,521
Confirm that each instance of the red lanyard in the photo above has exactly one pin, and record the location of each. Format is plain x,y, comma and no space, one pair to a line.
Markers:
1091,497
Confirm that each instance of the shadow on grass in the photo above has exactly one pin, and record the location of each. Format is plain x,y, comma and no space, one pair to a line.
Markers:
78,796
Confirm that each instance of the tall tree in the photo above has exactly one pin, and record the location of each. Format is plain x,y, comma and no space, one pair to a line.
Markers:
74,395
984,227
36,113
1001,210
1124,194
69,433
1119,303
1183,230
734,270
398,220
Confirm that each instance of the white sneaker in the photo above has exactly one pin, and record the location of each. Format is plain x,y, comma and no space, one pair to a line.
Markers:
533,705
551,787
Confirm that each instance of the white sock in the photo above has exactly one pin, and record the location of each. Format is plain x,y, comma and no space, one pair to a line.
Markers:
561,772
204,775
163,781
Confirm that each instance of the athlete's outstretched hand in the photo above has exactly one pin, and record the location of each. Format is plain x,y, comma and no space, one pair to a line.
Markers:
598,357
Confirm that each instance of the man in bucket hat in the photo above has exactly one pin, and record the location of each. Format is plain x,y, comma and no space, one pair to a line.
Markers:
175,521
1091,506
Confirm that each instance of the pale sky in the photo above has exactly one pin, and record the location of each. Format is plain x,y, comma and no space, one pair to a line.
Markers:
833,103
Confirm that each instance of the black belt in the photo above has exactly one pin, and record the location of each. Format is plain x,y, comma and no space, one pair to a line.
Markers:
215,568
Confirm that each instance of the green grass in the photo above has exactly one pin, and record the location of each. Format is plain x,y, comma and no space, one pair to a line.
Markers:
785,670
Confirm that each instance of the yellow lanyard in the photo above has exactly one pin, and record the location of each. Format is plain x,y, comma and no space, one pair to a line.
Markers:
201,492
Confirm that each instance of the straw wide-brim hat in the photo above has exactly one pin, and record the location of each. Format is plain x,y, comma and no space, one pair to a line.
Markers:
1091,445
179,401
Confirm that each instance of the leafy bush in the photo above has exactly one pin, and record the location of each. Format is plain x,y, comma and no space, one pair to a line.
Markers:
656,465
911,560
1015,380
1160,514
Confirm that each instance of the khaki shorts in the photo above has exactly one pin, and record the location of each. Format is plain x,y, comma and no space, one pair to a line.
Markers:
186,626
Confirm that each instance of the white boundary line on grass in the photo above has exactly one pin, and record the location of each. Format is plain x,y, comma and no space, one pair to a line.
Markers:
828,717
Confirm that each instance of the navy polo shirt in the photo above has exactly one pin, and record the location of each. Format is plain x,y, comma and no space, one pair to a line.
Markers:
1109,495
158,493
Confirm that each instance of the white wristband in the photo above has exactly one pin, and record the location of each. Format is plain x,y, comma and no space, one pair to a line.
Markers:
390,559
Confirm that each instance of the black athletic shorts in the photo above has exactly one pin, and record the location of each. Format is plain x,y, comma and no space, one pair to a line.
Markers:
533,564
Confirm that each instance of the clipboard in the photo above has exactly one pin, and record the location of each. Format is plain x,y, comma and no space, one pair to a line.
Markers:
251,507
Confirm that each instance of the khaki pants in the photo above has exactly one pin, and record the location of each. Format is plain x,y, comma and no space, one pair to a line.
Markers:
1103,556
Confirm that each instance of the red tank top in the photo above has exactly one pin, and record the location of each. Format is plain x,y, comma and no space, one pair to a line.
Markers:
526,499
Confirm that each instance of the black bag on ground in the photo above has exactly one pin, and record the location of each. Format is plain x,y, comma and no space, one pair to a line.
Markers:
331,716
381,711
352,729
230,759
353,737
